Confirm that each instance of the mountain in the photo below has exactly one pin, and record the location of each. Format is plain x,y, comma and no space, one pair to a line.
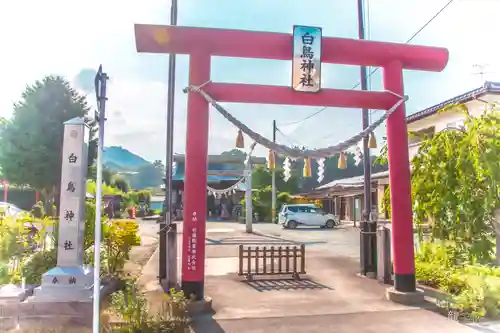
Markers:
120,159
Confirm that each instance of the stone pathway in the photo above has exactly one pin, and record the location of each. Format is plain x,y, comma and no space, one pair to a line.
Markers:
139,255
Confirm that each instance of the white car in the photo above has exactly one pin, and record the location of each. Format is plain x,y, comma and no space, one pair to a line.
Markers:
291,216
8,209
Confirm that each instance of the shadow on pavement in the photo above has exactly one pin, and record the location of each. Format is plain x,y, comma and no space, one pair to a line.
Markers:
249,241
288,284
207,325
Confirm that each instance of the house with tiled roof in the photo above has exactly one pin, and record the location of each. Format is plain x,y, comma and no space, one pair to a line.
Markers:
344,197
430,120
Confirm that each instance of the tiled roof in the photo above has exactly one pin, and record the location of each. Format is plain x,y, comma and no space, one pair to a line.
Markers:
210,178
353,181
488,87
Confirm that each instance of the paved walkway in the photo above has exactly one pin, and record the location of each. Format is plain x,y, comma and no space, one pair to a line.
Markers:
330,299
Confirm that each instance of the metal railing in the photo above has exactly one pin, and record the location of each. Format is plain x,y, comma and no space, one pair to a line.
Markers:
269,261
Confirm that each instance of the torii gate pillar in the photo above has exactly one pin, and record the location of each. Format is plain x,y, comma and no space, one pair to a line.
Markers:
202,43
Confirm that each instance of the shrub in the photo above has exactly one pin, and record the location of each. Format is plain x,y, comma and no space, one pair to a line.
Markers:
119,238
106,189
38,210
132,307
144,196
429,274
4,273
473,288
16,240
36,265
11,243
88,259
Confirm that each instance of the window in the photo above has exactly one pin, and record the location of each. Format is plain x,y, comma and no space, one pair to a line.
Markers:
304,209
455,124
293,209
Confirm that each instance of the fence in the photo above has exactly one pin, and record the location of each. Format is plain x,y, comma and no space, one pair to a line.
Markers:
268,261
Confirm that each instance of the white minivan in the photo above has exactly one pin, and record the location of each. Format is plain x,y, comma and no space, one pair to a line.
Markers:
292,215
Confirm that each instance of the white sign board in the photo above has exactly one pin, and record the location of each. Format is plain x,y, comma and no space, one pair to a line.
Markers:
306,62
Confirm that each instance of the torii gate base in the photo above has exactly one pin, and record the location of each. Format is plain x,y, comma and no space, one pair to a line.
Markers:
202,43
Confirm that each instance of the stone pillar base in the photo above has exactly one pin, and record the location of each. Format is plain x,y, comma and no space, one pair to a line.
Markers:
12,293
410,298
65,284
45,316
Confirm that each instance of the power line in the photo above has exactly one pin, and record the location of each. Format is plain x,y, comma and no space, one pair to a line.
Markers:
304,119
287,138
378,68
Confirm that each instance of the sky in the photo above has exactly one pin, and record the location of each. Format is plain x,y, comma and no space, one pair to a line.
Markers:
59,37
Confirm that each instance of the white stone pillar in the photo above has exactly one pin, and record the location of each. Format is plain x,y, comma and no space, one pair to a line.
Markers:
70,280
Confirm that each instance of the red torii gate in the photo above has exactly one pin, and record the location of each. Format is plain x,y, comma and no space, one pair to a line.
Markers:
202,43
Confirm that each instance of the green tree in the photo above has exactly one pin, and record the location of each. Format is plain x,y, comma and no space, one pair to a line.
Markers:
158,164
148,175
262,178
32,139
107,173
3,123
120,182
455,183
107,176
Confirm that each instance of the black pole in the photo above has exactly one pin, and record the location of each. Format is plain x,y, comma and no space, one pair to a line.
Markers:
274,130
165,261
368,228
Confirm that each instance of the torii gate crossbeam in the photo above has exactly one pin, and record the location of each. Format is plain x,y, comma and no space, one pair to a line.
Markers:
202,43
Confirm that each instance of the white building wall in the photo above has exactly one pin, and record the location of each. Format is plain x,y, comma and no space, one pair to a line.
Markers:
443,120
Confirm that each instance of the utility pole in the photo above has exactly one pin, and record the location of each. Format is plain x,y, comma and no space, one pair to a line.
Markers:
100,82
248,190
168,229
368,243
273,182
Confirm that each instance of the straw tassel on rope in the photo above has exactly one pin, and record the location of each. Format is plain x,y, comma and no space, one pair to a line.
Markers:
307,173
240,141
372,143
271,161
342,161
